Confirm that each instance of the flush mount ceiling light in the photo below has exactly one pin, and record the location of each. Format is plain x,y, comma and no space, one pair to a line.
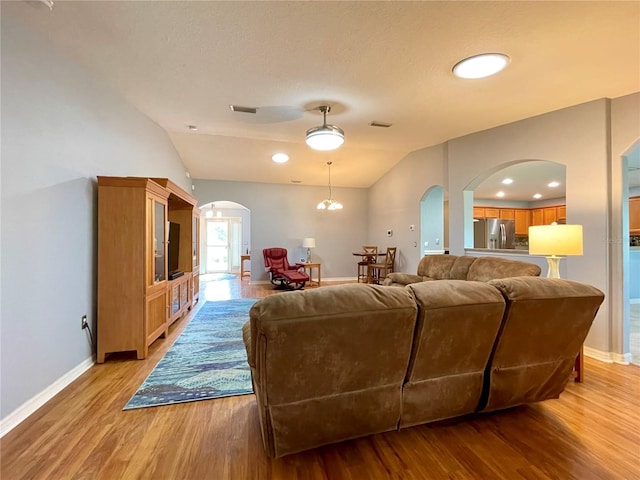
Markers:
480,66
330,203
280,157
553,184
507,181
500,194
325,137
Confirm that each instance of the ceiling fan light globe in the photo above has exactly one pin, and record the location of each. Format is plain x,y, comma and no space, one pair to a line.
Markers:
325,137
322,205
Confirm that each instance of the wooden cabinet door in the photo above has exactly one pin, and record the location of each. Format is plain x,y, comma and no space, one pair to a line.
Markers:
549,215
156,319
522,221
491,212
537,217
478,212
634,213
561,212
507,213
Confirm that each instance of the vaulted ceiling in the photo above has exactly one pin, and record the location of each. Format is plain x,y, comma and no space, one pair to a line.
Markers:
183,63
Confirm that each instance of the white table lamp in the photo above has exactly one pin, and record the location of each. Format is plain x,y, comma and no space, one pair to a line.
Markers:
309,243
555,242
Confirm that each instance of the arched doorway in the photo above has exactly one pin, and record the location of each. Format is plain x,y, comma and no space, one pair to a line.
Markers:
225,236
432,221
630,251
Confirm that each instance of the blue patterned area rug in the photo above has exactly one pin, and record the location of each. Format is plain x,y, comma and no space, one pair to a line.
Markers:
208,360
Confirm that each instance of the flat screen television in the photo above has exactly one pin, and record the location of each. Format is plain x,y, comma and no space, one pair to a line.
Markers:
174,246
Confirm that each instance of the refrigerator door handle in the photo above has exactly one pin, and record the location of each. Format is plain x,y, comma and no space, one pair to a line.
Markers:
503,236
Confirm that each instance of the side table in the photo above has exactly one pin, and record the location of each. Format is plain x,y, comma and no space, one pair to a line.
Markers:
309,267
244,272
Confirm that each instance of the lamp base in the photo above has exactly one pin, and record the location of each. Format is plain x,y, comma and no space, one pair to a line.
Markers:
554,266
308,255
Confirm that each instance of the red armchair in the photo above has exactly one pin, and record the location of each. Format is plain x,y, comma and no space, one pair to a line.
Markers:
282,274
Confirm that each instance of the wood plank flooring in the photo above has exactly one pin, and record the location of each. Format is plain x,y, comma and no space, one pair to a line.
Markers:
591,432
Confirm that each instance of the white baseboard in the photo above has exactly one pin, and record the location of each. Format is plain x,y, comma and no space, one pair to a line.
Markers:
27,408
608,357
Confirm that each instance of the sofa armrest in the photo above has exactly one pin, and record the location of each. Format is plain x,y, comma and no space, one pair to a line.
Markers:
396,278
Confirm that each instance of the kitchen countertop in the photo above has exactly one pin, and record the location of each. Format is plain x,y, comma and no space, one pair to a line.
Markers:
510,251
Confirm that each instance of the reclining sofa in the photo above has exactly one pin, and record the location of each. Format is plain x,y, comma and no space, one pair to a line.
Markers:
345,361
466,267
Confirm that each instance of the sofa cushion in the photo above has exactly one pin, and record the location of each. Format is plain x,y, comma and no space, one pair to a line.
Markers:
455,332
329,363
544,327
437,267
484,269
460,268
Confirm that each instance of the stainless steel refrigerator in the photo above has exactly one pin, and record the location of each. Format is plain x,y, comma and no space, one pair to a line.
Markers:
494,233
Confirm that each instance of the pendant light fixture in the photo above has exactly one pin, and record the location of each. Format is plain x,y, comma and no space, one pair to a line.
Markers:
330,203
325,137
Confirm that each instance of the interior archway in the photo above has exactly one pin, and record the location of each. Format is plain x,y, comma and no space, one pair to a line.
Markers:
433,238
530,188
225,235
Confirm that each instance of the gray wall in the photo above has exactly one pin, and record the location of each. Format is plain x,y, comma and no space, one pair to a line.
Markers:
577,137
282,215
394,203
60,129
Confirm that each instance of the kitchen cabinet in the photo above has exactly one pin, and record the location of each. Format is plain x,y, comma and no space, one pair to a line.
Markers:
522,221
507,214
490,212
537,216
549,215
478,212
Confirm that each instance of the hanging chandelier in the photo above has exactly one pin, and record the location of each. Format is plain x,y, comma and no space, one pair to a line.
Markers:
325,137
330,203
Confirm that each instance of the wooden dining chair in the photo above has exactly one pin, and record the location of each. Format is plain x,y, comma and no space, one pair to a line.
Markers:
376,272
363,264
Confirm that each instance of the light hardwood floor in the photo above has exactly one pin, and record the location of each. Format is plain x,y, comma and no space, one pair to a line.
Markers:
591,432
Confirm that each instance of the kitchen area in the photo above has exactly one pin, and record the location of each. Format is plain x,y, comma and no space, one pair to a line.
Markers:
497,228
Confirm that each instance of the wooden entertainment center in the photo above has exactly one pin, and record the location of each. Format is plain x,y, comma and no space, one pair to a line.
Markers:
137,300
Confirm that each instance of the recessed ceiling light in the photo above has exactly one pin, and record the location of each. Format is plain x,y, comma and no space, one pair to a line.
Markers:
480,66
193,128
537,195
507,181
500,194
280,157
553,184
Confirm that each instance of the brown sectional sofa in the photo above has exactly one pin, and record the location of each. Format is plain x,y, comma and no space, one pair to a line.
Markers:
341,362
453,267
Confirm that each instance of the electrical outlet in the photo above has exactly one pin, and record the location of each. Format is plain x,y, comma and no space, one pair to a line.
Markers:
85,322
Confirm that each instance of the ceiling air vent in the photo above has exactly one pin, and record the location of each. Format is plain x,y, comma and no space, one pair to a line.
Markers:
380,124
238,108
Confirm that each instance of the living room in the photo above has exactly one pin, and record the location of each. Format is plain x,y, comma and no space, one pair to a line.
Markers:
62,126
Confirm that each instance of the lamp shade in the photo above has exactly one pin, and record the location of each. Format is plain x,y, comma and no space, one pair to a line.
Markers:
555,240
309,243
